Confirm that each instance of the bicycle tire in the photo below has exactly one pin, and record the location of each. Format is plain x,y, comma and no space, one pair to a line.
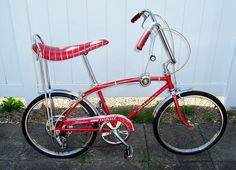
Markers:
40,148
181,135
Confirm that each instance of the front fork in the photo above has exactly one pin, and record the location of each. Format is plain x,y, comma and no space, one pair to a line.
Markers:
175,98
179,111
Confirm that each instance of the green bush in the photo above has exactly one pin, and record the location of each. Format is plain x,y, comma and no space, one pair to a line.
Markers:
11,104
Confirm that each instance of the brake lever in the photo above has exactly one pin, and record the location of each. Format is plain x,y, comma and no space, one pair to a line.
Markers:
145,17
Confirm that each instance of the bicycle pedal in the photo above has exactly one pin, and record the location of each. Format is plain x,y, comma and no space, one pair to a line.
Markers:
129,153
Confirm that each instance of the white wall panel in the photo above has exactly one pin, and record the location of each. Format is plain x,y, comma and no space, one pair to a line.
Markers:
78,26
97,29
8,50
208,24
23,57
116,34
193,17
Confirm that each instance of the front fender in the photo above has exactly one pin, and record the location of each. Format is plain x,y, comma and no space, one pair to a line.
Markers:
158,107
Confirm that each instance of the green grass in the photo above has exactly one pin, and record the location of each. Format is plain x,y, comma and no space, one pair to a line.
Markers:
122,110
144,160
189,110
232,115
209,117
144,116
83,158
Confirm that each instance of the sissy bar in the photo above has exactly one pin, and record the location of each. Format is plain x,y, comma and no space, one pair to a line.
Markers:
45,79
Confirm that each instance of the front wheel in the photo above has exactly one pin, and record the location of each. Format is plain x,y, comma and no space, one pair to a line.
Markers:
204,111
36,127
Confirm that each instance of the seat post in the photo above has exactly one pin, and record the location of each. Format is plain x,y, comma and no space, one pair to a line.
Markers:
89,69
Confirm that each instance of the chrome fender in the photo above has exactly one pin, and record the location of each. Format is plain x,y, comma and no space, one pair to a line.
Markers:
77,96
178,92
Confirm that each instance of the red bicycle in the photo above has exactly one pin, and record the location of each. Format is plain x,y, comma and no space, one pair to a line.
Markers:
62,124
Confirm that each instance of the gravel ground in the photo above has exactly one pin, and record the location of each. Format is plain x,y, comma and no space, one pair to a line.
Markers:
124,101
11,117
112,102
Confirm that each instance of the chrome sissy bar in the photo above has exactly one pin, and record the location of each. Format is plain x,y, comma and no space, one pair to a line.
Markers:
45,79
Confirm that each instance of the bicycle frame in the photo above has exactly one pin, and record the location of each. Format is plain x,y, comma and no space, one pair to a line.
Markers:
98,89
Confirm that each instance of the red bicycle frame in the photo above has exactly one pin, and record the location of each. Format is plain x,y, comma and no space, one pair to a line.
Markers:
168,85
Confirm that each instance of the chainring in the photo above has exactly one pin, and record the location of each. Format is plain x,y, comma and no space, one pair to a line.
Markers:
109,137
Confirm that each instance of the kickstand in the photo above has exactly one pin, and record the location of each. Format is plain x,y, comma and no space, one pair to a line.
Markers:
128,153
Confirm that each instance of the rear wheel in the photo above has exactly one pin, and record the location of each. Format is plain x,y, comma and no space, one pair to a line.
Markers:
36,127
204,111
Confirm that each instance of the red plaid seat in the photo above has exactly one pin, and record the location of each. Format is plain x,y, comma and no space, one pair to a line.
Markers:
63,53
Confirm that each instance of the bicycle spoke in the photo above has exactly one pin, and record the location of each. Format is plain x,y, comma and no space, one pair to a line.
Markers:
59,144
206,117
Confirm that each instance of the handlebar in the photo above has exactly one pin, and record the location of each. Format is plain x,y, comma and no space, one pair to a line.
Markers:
143,40
146,34
136,17
145,13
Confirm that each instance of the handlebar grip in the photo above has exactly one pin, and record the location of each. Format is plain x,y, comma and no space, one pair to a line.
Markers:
136,17
143,40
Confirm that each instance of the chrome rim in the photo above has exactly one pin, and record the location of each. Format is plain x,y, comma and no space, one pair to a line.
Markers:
206,141
40,145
